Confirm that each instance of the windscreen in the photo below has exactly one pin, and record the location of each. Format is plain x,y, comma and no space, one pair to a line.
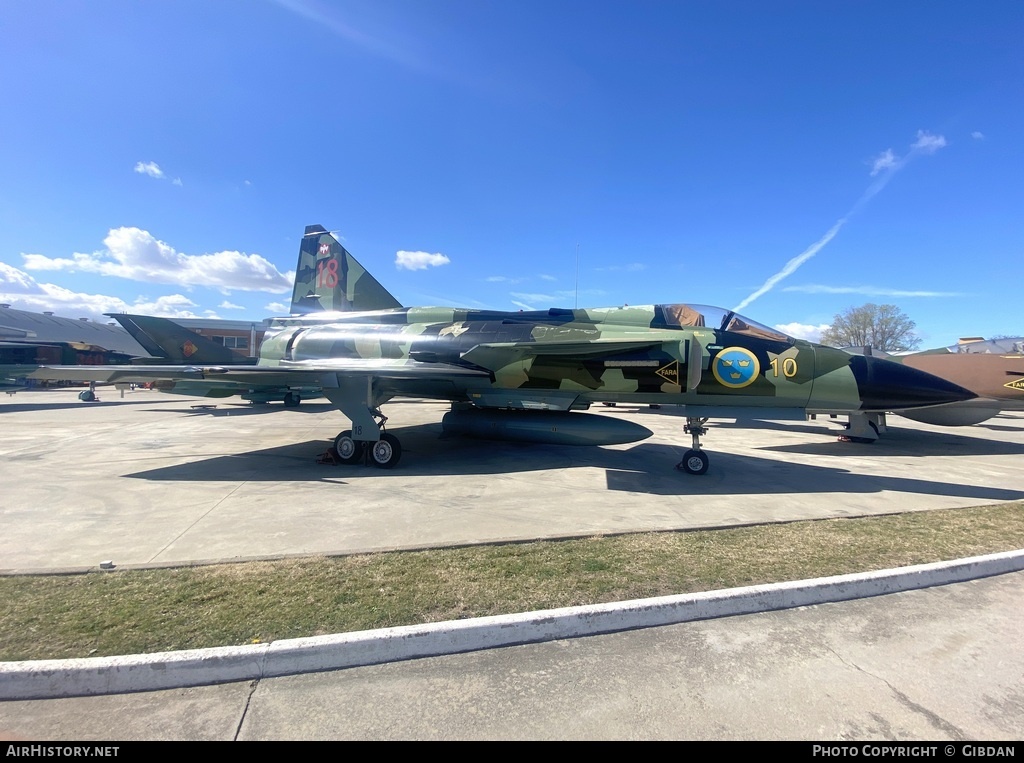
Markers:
706,316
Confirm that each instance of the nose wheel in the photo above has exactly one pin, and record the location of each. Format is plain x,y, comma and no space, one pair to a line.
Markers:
695,460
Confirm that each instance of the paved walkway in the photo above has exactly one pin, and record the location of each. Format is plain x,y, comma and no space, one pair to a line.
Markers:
939,665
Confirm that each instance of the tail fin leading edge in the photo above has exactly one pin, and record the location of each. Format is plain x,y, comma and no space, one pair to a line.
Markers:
327,277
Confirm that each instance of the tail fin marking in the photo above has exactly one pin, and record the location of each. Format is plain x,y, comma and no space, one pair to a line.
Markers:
327,277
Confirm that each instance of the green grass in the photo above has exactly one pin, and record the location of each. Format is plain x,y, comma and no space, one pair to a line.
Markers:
138,611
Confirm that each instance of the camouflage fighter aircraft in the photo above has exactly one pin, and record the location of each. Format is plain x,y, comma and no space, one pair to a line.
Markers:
526,375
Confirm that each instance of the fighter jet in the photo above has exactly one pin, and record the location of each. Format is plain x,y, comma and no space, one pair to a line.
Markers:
527,375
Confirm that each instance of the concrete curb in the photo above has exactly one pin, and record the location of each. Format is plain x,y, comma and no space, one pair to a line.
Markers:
47,679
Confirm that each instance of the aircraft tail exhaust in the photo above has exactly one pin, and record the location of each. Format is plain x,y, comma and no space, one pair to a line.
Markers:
327,277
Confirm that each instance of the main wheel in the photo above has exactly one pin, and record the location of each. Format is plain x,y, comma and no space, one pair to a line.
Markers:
386,452
694,462
347,450
291,399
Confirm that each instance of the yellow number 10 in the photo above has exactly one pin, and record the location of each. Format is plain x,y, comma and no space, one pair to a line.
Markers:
789,369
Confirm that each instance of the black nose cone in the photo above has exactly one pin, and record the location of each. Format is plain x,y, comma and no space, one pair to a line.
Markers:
886,385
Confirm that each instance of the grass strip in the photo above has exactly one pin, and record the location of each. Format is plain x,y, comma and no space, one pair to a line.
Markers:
140,611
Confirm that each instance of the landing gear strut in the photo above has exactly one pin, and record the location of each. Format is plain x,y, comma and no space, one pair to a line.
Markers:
385,453
695,460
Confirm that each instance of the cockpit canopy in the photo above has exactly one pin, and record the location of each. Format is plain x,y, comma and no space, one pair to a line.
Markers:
683,315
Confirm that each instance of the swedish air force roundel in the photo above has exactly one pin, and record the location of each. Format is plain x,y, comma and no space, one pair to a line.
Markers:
736,367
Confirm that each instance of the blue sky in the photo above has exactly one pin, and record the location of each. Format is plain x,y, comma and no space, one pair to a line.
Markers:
796,158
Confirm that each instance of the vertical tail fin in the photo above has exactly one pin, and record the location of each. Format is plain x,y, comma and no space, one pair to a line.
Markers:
327,277
163,338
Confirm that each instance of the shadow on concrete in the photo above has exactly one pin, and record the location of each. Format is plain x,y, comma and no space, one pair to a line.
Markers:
243,409
113,402
749,475
999,427
644,468
907,442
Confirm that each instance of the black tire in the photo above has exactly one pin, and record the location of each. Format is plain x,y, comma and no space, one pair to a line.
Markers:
87,396
347,450
386,452
291,399
694,462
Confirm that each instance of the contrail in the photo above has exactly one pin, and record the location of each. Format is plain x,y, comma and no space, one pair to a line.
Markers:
925,143
792,265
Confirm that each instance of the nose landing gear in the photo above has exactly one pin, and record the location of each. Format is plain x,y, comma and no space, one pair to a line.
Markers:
695,460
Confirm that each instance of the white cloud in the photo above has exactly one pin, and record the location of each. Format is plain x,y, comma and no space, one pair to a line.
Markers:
632,267
978,135
806,331
136,255
928,143
503,279
177,182
419,260
550,300
171,306
533,298
884,161
225,305
887,164
19,280
522,305
545,277
278,308
872,291
25,293
149,168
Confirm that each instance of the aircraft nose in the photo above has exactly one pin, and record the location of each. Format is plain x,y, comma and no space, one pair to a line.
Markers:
885,385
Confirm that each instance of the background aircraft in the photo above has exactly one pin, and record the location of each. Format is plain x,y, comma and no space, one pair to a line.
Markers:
28,340
994,375
525,375
168,342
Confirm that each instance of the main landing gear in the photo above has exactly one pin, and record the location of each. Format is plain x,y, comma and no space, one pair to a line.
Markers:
695,460
385,453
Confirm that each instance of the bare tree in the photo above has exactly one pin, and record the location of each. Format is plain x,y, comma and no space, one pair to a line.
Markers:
884,327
